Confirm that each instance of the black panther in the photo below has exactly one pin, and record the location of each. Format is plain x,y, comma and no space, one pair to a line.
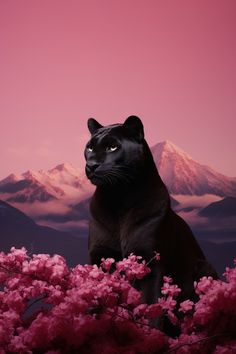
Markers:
131,213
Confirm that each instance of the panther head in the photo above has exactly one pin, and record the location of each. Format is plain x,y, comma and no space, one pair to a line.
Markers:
115,153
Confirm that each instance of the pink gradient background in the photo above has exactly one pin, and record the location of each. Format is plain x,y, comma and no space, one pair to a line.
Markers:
173,63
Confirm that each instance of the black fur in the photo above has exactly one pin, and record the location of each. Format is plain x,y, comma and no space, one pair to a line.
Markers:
131,213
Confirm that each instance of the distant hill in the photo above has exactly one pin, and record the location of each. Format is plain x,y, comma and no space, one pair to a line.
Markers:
17,229
221,209
219,255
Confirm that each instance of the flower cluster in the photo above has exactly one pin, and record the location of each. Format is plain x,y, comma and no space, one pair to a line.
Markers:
209,324
49,308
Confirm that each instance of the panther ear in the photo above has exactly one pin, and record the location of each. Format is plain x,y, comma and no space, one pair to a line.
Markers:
93,125
135,125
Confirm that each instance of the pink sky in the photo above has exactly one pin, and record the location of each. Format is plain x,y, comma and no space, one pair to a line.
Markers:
170,62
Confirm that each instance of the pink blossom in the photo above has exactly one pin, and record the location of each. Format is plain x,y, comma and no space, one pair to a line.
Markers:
132,268
154,310
167,279
203,285
140,310
107,263
167,304
186,306
170,290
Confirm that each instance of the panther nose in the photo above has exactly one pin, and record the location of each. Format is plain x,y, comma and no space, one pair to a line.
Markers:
92,166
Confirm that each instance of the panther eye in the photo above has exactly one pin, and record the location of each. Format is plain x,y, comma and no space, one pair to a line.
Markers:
89,149
112,148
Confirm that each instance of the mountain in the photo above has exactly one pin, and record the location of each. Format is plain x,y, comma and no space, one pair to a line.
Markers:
25,188
18,230
224,208
185,176
62,182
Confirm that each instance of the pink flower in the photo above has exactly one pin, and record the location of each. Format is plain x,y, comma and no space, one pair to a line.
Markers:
134,297
107,263
167,304
203,285
186,306
170,290
132,268
167,279
140,310
154,310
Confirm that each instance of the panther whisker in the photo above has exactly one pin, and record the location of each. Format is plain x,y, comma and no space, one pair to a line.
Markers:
119,176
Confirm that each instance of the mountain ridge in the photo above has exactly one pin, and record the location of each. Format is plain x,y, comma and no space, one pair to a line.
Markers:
220,209
19,230
60,182
66,182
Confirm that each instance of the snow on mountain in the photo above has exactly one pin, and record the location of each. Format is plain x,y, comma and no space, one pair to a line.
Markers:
64,182
66,174
10,179
25,190
185,176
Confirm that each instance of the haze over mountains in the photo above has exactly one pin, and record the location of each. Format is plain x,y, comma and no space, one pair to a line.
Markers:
18,230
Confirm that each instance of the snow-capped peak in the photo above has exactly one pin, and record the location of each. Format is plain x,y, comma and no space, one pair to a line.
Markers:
183,175
166,148
63,182
65,168
32,175
10,179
